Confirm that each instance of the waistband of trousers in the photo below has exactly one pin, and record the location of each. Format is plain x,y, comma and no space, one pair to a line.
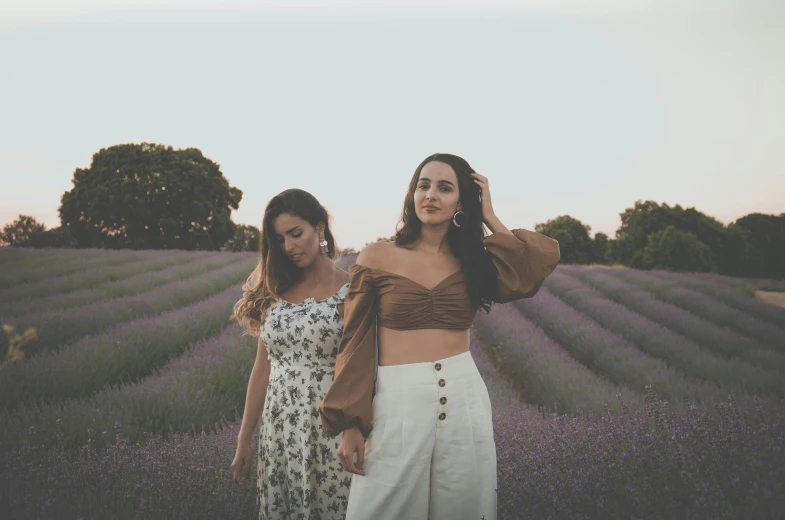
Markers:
450,369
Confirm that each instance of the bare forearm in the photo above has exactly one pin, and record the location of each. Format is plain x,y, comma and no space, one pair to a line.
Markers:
496,226
254,402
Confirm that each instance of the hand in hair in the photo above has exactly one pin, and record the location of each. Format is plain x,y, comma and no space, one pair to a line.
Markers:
488,216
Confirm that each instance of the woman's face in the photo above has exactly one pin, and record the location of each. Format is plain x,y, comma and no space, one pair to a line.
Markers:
298,239
436,195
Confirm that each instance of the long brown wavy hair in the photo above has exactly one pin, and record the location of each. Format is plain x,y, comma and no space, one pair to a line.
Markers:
466,242
276,273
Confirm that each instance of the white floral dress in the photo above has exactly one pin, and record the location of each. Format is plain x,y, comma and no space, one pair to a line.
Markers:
300,477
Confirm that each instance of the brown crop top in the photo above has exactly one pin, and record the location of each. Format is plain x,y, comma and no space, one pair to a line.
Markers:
523,261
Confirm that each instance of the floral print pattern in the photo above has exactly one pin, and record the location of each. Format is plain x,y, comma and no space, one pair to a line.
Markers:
300,477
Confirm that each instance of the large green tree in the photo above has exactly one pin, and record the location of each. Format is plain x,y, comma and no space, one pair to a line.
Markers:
649,217
150,196
575,243
675,250
766,235
601,245
20,231
246,238
55,237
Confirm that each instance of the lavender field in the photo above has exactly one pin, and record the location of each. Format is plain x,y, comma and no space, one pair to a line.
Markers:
616,393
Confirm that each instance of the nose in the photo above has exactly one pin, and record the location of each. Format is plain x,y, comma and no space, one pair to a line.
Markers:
431,195
288,245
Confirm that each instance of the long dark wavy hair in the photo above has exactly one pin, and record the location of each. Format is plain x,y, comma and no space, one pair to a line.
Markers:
276,273
466,242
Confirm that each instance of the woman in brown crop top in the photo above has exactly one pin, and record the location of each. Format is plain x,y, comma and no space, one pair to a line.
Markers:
418,417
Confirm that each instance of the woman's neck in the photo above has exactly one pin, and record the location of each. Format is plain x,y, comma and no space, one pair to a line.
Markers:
320,272
433,239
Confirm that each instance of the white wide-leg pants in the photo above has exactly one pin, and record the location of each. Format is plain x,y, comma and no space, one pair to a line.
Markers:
431,453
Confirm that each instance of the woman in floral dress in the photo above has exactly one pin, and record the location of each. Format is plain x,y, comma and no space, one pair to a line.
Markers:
293,301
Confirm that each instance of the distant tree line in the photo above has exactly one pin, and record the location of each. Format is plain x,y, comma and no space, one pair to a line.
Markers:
151,196
658,236
652,236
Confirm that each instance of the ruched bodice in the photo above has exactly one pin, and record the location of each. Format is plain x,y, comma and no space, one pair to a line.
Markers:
406,305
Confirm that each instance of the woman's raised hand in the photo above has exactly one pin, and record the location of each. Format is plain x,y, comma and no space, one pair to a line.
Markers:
481,181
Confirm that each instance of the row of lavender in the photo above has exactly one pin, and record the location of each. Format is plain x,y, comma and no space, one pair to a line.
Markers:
601,332
611,335
92,286
203,385
60,326
48,282
27,268
124,352
737,312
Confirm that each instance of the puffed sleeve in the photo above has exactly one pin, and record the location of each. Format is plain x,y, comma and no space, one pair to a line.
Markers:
523,259
348,401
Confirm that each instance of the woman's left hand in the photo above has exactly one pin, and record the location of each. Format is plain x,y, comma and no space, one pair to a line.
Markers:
481,181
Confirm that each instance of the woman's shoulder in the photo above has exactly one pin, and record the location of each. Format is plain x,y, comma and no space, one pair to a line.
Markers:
378,255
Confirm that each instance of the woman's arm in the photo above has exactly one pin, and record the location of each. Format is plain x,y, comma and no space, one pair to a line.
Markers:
522,258
348,401
256,393
347,406
254,404
496,226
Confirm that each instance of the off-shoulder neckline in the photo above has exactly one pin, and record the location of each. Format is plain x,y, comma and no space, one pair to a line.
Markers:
396,275
312,300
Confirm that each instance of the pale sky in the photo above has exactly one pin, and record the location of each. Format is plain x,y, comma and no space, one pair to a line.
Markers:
575,108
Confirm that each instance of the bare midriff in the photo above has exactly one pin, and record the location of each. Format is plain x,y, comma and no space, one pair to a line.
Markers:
402,347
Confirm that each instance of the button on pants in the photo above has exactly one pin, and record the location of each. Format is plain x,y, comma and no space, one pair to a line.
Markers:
430,454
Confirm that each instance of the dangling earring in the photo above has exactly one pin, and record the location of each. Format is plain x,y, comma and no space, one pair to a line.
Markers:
323,244
454,217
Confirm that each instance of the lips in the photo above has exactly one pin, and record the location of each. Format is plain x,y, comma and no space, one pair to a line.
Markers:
296,257
429,207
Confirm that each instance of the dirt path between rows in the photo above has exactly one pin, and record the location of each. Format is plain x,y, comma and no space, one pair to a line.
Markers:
775,297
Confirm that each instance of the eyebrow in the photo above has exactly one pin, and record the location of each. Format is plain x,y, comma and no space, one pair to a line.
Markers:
440,182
